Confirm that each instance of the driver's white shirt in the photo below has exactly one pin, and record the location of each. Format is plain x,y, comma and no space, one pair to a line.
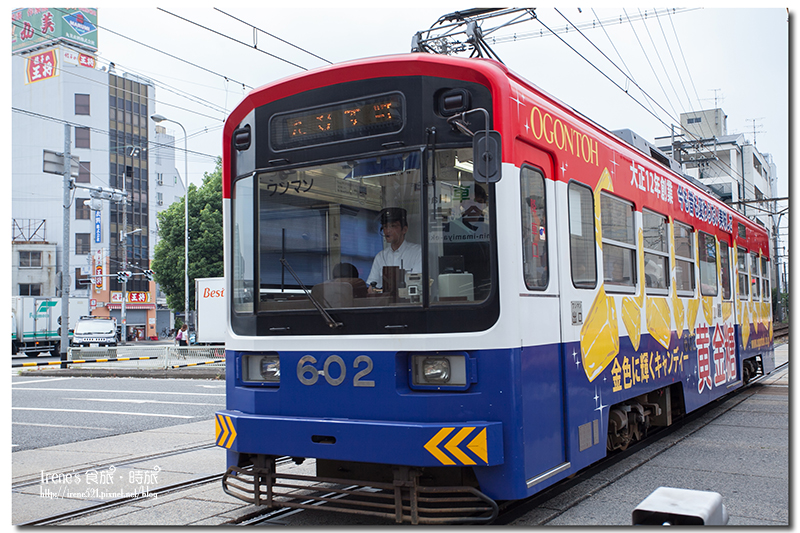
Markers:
408,256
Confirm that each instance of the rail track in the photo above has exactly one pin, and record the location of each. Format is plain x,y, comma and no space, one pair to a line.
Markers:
509,511
93,508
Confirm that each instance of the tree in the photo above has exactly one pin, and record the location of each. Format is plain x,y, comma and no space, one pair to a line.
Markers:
205,240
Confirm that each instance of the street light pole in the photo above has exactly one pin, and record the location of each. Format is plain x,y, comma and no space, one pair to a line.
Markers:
157,119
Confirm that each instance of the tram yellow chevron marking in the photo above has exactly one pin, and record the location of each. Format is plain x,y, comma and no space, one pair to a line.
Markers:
217,429
478,446
225,432
432,444
233,432
452,446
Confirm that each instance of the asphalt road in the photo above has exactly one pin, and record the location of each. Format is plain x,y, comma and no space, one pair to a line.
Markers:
47,411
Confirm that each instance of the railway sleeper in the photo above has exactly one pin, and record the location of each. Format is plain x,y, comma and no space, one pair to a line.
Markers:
630,421
403,498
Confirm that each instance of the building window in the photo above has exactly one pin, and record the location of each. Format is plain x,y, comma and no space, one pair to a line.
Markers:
30,259
82,211
583,256
82,104
534,229
695,120
741,267
30,289
82,281
619,243
84,172
656,250
82,243
684,258
707,259
82,138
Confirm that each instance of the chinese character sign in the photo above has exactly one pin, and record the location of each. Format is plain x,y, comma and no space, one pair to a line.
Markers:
42,66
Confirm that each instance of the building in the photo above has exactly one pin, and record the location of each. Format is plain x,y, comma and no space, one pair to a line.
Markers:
56,81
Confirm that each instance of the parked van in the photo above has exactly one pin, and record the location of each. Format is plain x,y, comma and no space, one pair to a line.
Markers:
95,332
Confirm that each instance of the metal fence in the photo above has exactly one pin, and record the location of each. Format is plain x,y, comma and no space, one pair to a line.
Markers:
160,357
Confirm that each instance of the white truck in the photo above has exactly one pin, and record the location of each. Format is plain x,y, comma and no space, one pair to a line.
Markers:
36,323
212,318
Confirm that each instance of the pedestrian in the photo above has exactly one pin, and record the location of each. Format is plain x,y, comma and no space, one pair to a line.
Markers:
182,336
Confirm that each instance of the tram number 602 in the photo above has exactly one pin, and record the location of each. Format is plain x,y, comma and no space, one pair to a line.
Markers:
308,374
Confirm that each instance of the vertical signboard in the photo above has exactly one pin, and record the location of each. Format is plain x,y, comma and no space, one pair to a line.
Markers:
32,27
98,236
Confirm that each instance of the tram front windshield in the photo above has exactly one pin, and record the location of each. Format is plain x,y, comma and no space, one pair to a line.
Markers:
356,234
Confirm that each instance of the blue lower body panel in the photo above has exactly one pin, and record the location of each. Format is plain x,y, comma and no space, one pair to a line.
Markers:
477,443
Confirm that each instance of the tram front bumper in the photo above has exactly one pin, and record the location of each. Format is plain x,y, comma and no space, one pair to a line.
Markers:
477,443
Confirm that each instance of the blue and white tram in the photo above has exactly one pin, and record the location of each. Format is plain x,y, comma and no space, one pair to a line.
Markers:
536,313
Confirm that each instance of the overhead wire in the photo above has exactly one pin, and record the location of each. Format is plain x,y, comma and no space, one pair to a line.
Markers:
630,74
273,36
606,75
669,78
688,71
231,38
688,133
672,56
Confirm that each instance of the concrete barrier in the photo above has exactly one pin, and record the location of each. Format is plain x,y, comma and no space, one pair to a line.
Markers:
158,357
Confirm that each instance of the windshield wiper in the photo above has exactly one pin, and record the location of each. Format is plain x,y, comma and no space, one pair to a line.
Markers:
328,318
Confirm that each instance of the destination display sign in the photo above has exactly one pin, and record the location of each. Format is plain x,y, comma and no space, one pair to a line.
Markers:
355,119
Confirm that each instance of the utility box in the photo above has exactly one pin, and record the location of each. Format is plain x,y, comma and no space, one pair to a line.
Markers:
680,507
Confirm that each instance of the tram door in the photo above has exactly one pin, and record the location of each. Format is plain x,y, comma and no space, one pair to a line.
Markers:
541,354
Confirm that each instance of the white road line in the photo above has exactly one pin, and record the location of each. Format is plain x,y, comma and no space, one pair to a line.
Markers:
58,426
136,401
39,381
118,391
96,412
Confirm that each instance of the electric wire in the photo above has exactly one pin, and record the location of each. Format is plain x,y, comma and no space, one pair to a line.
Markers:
689,72
630,74
719,162
604,74
661,61
231,38
274,36
672,56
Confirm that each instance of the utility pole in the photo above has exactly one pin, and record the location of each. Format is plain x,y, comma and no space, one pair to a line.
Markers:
65,278
124,239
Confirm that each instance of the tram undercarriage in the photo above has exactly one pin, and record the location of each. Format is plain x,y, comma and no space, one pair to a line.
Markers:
400,493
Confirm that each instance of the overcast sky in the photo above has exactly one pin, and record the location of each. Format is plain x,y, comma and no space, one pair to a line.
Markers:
739,56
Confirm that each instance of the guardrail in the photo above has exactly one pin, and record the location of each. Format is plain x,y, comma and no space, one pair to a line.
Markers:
143,357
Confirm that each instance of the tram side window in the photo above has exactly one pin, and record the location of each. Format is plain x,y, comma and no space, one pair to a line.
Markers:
583,255
619,243
707,259
725,268
741,267
754,277
534,230
656,250
684,258
765,279
243,271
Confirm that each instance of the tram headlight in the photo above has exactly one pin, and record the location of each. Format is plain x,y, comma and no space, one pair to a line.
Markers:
261,367
439,370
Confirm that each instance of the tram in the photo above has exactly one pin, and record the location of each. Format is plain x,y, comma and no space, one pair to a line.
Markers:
450,289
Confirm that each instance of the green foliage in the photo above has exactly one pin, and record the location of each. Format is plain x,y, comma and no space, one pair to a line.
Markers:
205,240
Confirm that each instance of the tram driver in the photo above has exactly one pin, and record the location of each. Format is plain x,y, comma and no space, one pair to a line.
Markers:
399,252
